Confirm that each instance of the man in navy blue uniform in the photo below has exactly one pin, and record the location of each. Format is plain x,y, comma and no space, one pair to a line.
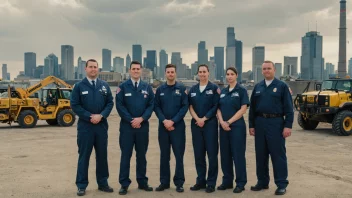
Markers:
92,101
171,106
270,121
134,103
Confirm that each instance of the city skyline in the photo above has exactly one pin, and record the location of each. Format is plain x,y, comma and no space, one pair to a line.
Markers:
281,36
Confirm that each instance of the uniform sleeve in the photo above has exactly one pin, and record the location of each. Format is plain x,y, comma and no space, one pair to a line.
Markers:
150,106
109,103
76,106
251,115
120,105
189,96
244,97
184,107
157,106
212,112
288,107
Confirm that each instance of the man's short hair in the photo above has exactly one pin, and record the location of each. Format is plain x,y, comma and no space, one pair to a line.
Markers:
268,61
170,66
91,60
135,63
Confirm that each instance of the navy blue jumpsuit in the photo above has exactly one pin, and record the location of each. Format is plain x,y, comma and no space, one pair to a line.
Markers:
171,103
233,143
85,101
205,139
276,100
133,103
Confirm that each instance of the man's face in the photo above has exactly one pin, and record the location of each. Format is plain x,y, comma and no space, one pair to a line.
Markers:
135,71
268,70
170,74
92,69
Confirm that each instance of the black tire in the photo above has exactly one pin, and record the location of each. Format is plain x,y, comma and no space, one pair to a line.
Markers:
307,124
342,123
52,122
66,118
27,119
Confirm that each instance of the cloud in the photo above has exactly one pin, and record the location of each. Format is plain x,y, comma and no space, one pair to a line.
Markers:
43,26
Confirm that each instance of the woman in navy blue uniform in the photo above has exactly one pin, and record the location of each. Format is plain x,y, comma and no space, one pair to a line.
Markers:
203,100
233,104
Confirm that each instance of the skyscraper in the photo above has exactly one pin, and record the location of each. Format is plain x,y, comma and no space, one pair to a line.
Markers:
202,53
163,61
212,68
258,57
312,62
118,65
128,62
30,63
350,67
106,60
67,57
342,40
290,65
51,65
234,52
219,63
151,61
177,60
278,67
137,53
4,72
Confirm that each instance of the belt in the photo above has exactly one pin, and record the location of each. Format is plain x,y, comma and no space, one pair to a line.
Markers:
269,115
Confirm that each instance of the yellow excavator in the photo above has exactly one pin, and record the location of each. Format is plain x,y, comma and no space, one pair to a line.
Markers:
27,106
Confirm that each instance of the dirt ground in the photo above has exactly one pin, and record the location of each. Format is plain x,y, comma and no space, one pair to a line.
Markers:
42,162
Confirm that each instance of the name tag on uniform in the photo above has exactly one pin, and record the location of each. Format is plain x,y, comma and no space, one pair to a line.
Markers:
84,92
209,92
257,92
234,94
128,94
193,94
144,92
161,94
222,95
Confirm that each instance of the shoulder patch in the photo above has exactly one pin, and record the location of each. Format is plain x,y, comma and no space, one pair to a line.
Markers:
118,90
186,92
218,90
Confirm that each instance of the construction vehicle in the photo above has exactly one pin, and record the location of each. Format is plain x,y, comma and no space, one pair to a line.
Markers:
27,106
331,102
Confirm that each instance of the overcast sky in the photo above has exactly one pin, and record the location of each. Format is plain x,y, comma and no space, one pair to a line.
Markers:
42,26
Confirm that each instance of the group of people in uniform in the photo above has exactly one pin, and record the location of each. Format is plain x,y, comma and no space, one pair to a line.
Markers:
217,121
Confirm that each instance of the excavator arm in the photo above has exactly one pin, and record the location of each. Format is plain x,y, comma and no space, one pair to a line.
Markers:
24,93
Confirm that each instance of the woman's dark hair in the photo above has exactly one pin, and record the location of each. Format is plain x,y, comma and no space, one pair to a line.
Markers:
232,69
203,65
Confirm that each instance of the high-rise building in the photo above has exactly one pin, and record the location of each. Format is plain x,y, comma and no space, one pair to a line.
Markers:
212,68
30,63
106,60
312,62
194,69
202,53
51,66
330,68
342,40
119,65
290,66
137,53
278,68
67,57
258,58
350,67
128,62
239,59
4,72
151,60
163,61
177,60
219,63
234,52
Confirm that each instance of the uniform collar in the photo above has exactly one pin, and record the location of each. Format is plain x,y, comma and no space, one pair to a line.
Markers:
206,87
275,81
235,88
